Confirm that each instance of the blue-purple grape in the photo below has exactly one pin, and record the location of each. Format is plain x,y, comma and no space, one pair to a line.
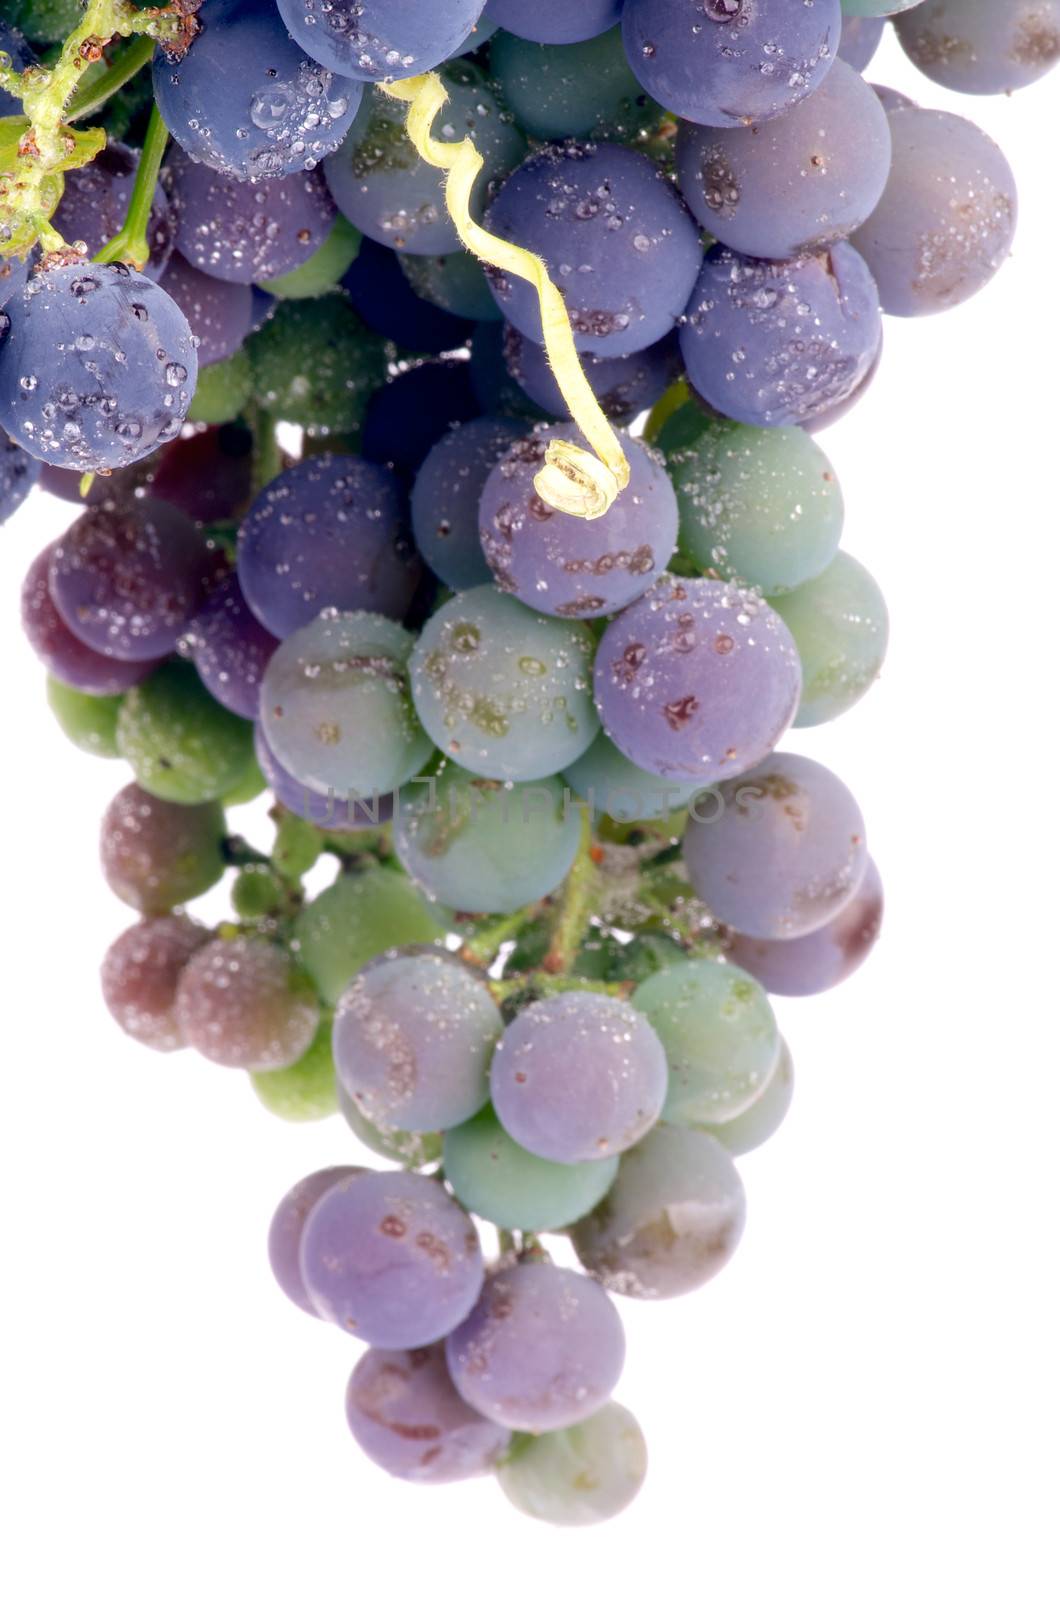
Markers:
246,100
816,961
578,1077
446,495
982,46
574,1477
413,1038
947,218
156,854
786,852
13,276
391,1258
775,342
719,1034
891,99
95,201
624,385
385,300
555,21
696,680
231,649
405,1413
454,282
542,1349
245,231
20,57
477,845
502,689
376,39
243,1002
219,313
98,368
336,709
728,62
618,243
393,196
561,564
128,579
288,1224
327,533
501,1181
671,1219
859,40
19,472
140,974
798,184
406,417
610,783
61,651
331,812
840,626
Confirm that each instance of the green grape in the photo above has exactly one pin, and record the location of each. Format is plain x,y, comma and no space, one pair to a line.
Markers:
360,916
247,788
394,1144
579,1475
763,1116
306,1091
876,8
315,363
297,846
561,91
758,505
720,1036
44,21
223,389
181,744
839,623
497,1179
323,269
455,282
89,720
257,893
622,791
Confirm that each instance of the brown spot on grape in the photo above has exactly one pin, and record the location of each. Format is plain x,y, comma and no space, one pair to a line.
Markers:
393,1227
680,712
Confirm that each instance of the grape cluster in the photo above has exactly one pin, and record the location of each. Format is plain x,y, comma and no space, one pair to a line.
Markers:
569,862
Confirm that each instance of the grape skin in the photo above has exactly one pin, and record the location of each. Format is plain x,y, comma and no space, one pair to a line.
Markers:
242,1002
140,974
383,297
328,532
278,113
332,812
287,1226
413,1036
392,1259
577,1476
670,1221
982,46
817,961
571,91
624,385
578,1077
61,651
406,417
360,916
156,855
242,231
231,649
407,1417
375,39
13,45
859,40
180,742
497,1179
696,680
412,1150
609,782
90,721
82,381
786,853
446,495
840,626
218,312
616,239
542,1349
18,474
305,1091
561,564
555,21
763,1116
96,199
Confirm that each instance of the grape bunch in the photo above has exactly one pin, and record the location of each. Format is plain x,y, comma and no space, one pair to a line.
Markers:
303,433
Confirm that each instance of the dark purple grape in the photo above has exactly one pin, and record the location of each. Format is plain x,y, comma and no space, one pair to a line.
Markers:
624,385
859,40
407,1416
414,410
98,369
95,202
243,1002
128,579
375,39
328,533
391,1258
13,275
231,649
555,21
18,473
564,565
140,974
617,241
385,301
207,475
816,961
446,495
244,231
219,314
62,652
14,46
156,854
288,1224
542,1349
775,342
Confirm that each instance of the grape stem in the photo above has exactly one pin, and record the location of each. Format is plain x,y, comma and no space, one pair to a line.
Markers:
576,903
91,97
539,985
130,244
267,458
483,946
664,408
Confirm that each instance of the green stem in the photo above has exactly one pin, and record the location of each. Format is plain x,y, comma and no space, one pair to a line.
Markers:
483,946
90,97
131,243
537,985
576,903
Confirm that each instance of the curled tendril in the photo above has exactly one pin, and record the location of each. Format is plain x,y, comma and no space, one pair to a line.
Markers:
571,479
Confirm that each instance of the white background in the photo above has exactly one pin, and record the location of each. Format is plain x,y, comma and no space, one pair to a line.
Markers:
865,1402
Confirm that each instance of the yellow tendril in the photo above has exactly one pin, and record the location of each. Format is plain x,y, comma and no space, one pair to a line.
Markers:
572,479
